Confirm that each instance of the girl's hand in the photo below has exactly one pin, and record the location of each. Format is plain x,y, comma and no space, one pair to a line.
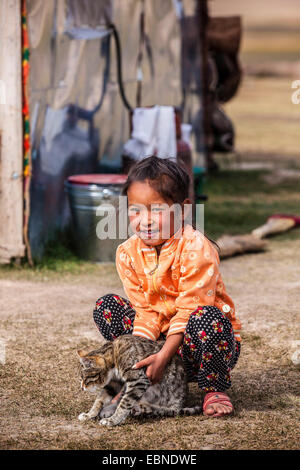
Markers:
156,365
157,362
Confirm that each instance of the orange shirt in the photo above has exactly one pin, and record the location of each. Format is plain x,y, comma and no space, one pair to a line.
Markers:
164,290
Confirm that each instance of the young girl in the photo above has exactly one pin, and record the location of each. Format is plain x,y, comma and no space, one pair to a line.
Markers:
174,287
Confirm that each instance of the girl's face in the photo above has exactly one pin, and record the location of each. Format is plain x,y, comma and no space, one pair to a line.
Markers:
151,217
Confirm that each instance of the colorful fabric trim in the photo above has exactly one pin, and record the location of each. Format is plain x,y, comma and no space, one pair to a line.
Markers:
26,129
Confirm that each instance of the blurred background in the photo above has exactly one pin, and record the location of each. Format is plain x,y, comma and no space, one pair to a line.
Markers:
222,73
266,121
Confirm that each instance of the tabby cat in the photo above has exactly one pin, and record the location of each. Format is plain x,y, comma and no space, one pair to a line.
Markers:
103,371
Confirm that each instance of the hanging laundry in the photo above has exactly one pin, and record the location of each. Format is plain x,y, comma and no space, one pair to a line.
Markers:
153,133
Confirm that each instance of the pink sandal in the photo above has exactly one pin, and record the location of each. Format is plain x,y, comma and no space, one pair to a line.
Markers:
216,397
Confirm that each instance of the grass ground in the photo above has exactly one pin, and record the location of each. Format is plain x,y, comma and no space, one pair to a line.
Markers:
47,310
47,315
44,321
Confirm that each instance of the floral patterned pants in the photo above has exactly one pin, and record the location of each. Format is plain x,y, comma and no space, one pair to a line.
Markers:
209,350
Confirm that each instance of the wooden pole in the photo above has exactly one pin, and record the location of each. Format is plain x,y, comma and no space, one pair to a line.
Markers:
202,19
11,133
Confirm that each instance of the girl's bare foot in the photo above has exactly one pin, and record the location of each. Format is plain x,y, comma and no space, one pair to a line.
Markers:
217,404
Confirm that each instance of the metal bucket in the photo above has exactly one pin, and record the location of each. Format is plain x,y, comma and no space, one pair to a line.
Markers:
91,199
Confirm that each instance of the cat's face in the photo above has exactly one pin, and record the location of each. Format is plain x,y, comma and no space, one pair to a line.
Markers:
93,371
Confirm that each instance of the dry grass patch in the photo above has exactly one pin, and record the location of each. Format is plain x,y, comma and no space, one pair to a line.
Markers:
44,322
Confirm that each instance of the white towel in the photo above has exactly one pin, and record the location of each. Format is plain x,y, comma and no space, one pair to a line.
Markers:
166,133
144,124
154,132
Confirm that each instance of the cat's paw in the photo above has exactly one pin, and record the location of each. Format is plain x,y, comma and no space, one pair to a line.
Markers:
141,410
107,422
136,411
83,417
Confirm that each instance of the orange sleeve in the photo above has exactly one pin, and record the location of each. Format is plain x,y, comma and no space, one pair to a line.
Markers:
199,271
146,320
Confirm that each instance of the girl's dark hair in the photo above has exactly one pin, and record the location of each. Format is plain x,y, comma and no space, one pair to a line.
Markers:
165,176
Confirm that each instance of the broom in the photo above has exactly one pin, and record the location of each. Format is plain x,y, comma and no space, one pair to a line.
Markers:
231,245
276,223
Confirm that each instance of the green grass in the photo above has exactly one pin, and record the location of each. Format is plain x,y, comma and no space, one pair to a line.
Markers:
244,183
239,201
59,257
59,253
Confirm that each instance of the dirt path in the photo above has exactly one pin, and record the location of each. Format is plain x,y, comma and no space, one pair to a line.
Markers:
42,323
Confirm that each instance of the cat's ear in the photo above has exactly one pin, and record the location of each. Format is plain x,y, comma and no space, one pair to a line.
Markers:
81,353
85,361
